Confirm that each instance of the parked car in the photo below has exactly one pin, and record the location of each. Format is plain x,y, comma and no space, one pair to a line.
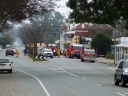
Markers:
5,64
88,55
47,53
121,73
9,52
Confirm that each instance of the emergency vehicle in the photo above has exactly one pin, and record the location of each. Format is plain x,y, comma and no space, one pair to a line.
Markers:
88,55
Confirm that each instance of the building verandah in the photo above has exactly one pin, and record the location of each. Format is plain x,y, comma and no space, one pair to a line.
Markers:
121,50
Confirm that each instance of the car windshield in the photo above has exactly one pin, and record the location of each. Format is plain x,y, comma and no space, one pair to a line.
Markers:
89,51
126,64
4,61
77,47
48,50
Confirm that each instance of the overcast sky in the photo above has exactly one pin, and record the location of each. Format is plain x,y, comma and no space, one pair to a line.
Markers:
62,8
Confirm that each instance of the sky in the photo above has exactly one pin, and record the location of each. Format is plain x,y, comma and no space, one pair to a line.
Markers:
62,8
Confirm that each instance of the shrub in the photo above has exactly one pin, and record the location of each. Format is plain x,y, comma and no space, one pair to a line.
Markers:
110,56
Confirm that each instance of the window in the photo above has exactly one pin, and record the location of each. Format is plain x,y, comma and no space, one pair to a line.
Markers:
4,61
89,52
77,47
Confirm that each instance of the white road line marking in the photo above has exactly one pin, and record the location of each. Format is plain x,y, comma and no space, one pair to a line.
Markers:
42,85
63,71
111,68
98,84
109,75
120,94
84,78
72,74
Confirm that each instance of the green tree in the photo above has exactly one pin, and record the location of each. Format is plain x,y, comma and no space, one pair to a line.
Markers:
99,11
52,22
5,39
17,10
101,43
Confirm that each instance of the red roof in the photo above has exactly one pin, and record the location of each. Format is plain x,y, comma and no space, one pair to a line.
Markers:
95,26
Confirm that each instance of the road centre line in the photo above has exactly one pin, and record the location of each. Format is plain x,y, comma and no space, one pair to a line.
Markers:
111,68
98,84
42,85
63,71
109,75
84,78
120,94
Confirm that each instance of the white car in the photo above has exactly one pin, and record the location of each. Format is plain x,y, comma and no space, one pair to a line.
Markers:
5,64
47,53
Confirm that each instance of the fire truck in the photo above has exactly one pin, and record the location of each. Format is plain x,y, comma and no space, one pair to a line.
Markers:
74,50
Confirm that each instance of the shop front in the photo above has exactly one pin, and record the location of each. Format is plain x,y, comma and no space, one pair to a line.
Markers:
121,50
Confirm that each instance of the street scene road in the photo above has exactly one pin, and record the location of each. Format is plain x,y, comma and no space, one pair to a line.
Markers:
58,77
63,48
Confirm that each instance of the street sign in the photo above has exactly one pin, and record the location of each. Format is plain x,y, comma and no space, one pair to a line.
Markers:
63,27
124,40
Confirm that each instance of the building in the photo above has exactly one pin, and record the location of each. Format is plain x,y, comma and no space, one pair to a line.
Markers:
121,50
86,30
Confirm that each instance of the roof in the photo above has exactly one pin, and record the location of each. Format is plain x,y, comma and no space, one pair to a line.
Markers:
82,27
70,32
95,26
121,45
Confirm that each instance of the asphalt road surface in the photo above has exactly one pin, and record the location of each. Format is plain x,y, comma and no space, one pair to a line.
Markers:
58,77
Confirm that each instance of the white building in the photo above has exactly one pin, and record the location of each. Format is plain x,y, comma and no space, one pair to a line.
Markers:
121,50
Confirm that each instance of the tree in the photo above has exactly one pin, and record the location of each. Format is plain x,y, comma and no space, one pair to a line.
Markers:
99,11
101,43
52,22
5,39
17,10
32,34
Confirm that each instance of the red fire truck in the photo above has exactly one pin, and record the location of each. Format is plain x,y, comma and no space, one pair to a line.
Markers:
74,50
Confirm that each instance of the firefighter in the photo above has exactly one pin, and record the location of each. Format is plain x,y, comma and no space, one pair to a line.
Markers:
67,52
17,53
58,53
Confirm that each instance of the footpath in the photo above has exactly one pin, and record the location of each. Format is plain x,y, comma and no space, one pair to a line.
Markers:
105,61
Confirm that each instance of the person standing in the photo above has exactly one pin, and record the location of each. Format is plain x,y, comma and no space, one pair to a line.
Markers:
17,53
25,51
58,53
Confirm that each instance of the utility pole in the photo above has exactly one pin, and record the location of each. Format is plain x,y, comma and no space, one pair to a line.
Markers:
114,44
64,35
